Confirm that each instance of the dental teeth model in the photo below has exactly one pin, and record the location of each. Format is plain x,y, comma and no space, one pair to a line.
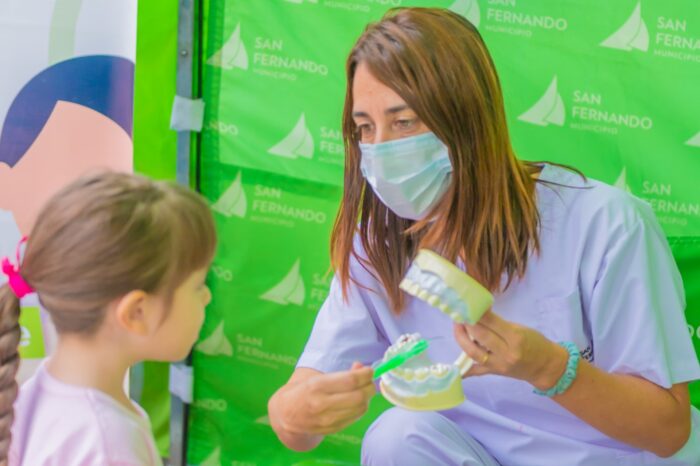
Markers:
443,285
419,384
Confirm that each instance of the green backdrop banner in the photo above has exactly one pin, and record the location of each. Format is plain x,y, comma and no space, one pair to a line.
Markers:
610,87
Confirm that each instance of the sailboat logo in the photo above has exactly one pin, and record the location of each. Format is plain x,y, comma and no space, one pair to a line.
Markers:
232,201
631,35
289,290
233,54
694,141
621,181
216,344
298,143
549,109
214,459
469,9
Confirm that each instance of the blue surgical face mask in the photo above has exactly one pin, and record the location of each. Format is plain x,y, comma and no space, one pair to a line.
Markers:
409,175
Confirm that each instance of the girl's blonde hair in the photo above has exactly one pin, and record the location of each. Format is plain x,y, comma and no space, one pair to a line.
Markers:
94,241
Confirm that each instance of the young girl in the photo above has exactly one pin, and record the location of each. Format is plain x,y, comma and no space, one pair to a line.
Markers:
119,262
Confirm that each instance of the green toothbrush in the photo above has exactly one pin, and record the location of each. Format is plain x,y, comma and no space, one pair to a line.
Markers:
415,349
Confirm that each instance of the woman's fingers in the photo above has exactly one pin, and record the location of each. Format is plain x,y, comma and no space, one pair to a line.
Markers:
334,421
360,377
471,348
486,338
357,399
336,400
334,412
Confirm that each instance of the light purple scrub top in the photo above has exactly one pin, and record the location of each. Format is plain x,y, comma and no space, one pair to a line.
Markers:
604,279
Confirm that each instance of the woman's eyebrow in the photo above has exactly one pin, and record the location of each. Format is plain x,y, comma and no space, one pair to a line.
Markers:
388,111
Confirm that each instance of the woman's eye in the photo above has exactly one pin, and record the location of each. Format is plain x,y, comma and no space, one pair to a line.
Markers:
364,131
405,124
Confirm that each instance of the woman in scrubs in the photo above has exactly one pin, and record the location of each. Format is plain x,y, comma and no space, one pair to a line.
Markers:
585,357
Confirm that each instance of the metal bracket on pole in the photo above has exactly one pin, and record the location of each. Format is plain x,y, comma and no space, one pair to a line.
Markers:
187,81
188,87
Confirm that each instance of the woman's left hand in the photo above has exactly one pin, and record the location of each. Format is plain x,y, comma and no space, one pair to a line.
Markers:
498,346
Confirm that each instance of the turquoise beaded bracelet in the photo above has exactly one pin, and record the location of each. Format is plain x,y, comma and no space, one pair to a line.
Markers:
569,375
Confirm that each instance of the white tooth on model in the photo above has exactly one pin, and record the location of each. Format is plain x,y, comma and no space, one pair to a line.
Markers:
419,372
422,373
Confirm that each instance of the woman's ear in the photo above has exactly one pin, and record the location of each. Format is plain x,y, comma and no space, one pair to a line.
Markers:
137,313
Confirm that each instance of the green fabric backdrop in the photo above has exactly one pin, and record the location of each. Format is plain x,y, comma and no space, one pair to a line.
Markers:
610,87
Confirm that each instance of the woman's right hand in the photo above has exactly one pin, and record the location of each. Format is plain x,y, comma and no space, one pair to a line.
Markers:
313,404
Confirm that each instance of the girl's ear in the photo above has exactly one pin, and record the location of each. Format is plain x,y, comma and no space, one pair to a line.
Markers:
136,313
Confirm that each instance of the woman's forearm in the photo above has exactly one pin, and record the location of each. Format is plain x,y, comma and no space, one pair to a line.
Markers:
630,409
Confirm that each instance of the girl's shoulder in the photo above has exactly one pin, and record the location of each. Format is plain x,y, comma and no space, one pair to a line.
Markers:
90,421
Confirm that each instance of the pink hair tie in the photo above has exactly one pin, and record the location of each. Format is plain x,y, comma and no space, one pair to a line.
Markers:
17,284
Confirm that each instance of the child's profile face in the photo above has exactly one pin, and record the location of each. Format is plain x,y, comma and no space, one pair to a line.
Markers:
180,329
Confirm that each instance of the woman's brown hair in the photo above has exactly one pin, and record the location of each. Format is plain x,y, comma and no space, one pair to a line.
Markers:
94,241
437,62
